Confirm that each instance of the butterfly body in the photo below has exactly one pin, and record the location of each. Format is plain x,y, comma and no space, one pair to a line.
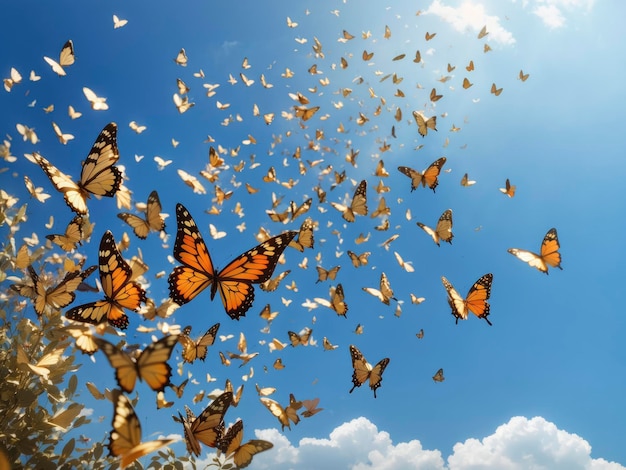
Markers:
475,302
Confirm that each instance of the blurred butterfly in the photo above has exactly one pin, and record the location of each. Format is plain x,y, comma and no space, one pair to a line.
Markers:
549,253
430,36
230,445
119,291
336,301
63,138
358,206
234,282
206,428
118,23
470,66
284,415
182,103
509,189
197,349
27,133
304,239
150,366
236,396
363,371
98,103
302,209
443,230
434,97
367,55
429,177
483,32
98,176
438,377
381,210
385,293
466,83
15,78
324,275
181,58
153,221
475,302
306,113
66,58
424,124
125,438
359,260
179,389
465,181
311,407
73,235
522,76
300,339
328,346
494,90
272,284
136,127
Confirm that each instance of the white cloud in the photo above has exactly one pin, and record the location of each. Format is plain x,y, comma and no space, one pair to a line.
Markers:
551,11
520,444
550,15
471,16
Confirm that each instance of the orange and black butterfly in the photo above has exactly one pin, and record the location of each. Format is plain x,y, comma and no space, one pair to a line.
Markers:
120,291
241,454
363,370
234,282
197,349
475,302
357,206
73,235
549,253
429,177
98,176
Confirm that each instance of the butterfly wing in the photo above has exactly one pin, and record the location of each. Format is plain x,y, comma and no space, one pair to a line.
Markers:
359,201
456,302
305,236
550,249
67,56
196,272
444,227
99,176
63,294
376,374
153,213
74,196
126,372
207,428
430,177
277,410
72,236
152,365
416,176
205,341
361,368
140,227
476,300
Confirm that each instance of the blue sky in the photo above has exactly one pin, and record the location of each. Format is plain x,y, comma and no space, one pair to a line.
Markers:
554,357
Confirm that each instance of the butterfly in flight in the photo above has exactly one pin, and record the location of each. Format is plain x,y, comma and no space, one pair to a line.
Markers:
363,370
443,229
98,176
153,221
125,438
429,177
548,253
230,445
424,124
73,235
197,349
120,291
475,302
234,282
66,58
358,206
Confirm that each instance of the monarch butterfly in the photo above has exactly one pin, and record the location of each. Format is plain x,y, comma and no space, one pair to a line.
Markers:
153,221
98,176
475,302
382,208
424,124
284,415
151,365
549,253
303,209
73,235
304,239
324,274
234,282
434,97
359,260
367,55
60,295
429,177
328,346
357,206
208,427
119,291
509,189
300,339
443,230
429,36
363,371
197,349
494,90
125,438
385,293
66,58
438,377
336,301
230,445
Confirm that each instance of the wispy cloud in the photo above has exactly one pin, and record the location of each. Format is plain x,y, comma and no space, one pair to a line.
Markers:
520,444
471,17
552,12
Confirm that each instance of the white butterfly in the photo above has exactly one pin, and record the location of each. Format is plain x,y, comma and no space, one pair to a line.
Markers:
182,103
66,58
97,103
215,233
63,138
73,113
136,127
117,23
13,80
27,133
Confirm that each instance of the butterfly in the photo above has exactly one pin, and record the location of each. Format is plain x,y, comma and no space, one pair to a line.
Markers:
272,284
522,76
311,407
234,282
16,78
150,366
475,302
208,427
197,349
466,83
98,103
230,445
63,138
429,36
98,176
434,97
359,260
358,206
483,32
385,293
429,177
182,103
300,339
363,371
324,274
125,438
153,221
336,301
438,377
60,295
118,23
494,90
549,253
465,181
424,124
509,189
304,239
367,55
66,58
443,230
306,113
181,58
119,291
284,415
73,235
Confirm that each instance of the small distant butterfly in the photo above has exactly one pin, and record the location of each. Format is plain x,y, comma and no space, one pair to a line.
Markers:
363,371
336,302
438,377
475,302
522,76
483,32
304,239
443,230
358,206
508,189
429,177
359,260
98,103
466,83
181,58
301,338
465,181
153,221
424,124
324,274
494,90
384,293
549,253
284,415
118,23
66,58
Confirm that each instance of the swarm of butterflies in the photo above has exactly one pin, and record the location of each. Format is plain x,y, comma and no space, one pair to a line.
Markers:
195,273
